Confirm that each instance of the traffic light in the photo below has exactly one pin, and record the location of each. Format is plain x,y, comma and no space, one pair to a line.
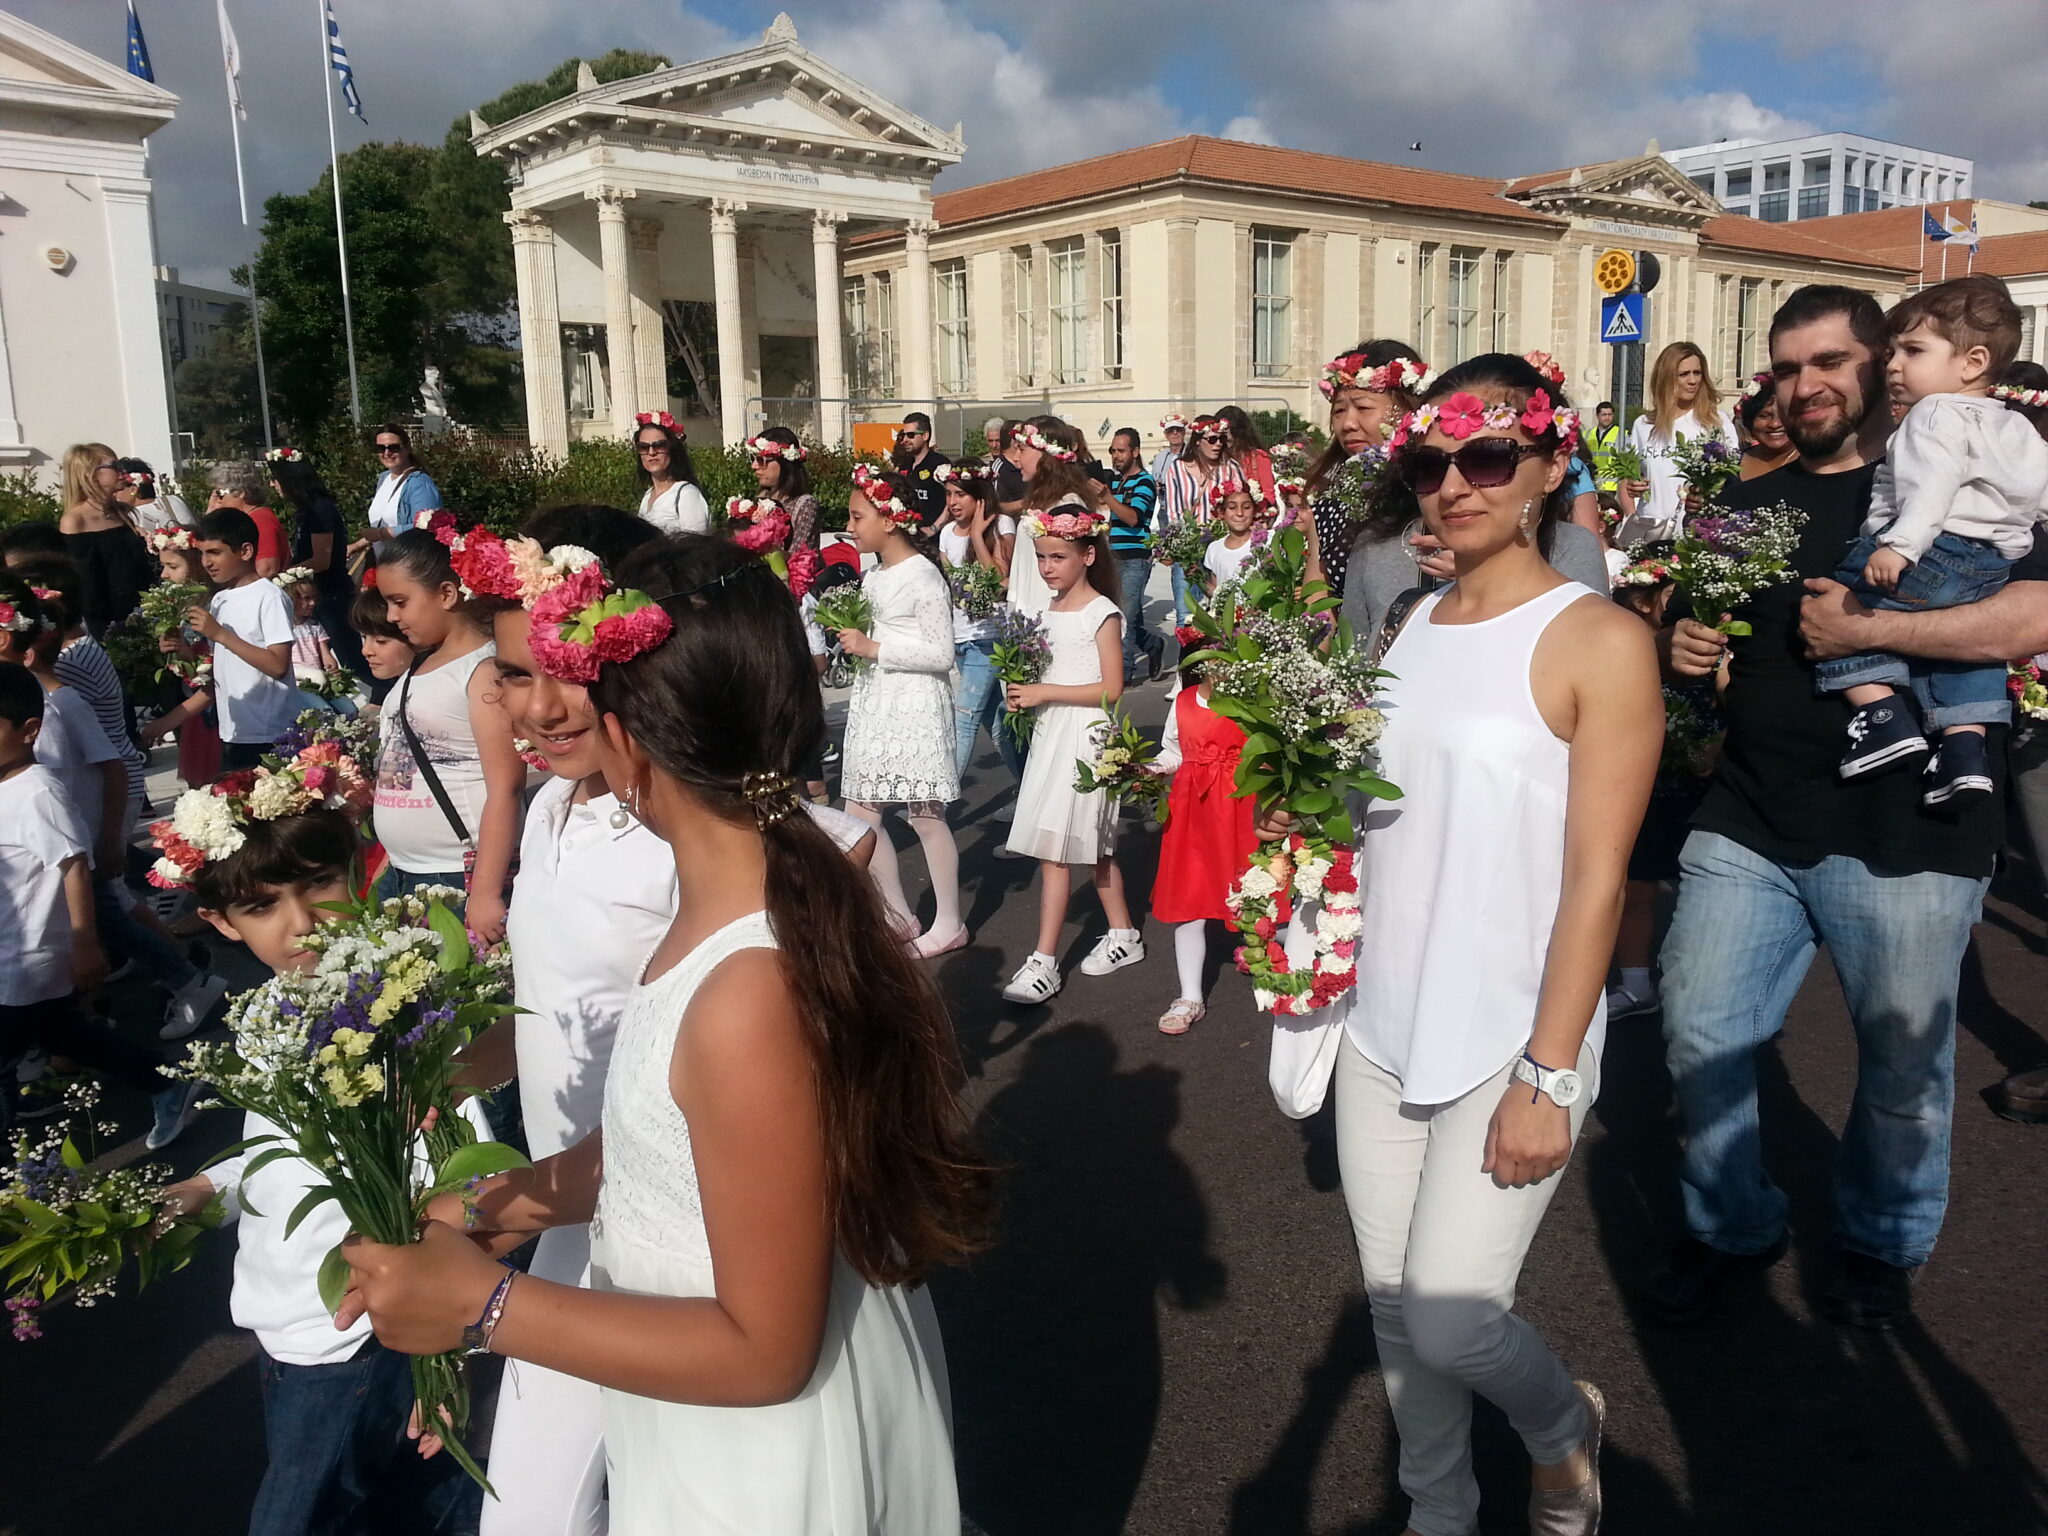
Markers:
1648,270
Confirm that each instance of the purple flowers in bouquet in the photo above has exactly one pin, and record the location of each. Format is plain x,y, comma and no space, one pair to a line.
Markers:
1021,652
1725,558
1706,465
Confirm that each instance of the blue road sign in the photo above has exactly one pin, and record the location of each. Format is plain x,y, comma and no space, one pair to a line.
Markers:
1621,319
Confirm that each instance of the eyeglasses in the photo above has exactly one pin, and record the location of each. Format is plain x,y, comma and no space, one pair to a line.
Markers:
652,447
1485,462
1211,437
386,449
98,467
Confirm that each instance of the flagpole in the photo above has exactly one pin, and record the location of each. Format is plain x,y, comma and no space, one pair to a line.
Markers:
1920,258
348,321
255,306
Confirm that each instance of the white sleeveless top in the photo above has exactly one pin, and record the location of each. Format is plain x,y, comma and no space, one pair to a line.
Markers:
410,822
679,509
866,1448
1461,877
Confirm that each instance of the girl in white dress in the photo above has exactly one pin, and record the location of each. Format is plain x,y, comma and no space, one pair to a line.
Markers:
899,722
782,1157
672,500
1056,823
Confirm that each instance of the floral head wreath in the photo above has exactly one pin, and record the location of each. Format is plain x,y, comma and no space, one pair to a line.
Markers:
882,497
1282,484
283,456
1223,490
1759,382
138,479
1464,414
1352,371
1173,421
1068,520
1551,369
161,539
207,825
1028,436
769,448
2013,394
286,580
954,474
517,570
660,419
17,622
583,621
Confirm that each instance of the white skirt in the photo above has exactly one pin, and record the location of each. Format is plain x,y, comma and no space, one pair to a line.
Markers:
1054,820
899,739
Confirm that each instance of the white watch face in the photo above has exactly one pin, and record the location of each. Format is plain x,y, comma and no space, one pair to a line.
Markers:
1565,1088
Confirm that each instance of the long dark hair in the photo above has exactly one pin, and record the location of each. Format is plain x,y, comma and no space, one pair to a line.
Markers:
678,454
1244,437
732,693
1377,354
793,476
1394,506
300,482
922,539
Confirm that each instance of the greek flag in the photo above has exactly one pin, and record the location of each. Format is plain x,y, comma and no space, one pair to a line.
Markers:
337,58
138,50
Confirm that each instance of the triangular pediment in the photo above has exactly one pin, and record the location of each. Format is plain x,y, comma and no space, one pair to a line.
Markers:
41,69
1647,187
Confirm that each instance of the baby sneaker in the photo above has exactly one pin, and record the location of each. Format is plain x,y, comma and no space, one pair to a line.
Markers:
1880,734
1113,951
1961,767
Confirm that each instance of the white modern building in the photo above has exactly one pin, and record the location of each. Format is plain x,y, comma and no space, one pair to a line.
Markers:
1783,180
81,358
191,316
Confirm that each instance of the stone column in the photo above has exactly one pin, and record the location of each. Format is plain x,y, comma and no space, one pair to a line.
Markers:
540,330
615,251
916,319
131,271
831,350
650,347
725,286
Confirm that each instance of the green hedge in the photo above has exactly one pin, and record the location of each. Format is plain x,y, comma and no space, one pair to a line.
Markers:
23,500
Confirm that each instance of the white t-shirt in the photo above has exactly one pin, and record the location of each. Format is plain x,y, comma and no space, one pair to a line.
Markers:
954,547
679,509
1223,562
1657,515
72,747
167,511
255,708
39,830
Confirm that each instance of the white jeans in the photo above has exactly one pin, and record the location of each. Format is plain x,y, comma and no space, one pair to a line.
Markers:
1441,1245
547,1441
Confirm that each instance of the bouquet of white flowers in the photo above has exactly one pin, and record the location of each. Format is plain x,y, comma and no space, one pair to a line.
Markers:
1122,765
1724,558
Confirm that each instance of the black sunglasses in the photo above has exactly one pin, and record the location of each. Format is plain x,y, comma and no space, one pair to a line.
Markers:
1484,462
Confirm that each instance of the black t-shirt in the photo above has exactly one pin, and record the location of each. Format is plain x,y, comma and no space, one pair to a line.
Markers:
1009,483
927,496
323,517
1778,790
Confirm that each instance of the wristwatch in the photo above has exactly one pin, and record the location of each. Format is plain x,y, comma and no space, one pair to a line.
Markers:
1562,1084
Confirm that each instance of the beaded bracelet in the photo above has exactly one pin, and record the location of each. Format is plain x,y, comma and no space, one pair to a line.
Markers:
476,1338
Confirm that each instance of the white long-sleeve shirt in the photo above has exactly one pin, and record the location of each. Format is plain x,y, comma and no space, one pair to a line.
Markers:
1960,464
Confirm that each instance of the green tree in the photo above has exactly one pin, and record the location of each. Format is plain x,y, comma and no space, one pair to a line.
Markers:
217,392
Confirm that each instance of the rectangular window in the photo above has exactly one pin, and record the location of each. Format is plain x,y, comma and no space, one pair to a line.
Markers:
1749,327
1813,202
1067,272
1817,173
949,325
860,346
1113,366
1738,183
1778,178
1023,345
1425,297
1740,210
885,335
1503,277
1774,207
2026,351
1463,312
1704,180
1272,301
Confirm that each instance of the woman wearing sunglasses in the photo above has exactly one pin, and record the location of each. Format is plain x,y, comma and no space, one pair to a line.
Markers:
404,493
1204,464
1524,719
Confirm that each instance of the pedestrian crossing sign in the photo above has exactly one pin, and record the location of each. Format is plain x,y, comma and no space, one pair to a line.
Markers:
1621,319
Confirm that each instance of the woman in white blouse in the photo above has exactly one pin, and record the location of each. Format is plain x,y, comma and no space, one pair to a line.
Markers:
1683,405
672,500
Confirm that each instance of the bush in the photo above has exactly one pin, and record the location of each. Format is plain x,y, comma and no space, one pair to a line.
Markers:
22,500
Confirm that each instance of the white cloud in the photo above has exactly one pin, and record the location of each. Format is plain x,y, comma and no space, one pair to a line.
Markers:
1249,130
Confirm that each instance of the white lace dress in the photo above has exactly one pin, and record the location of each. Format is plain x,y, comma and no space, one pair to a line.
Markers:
866,1449
899,722
1054,820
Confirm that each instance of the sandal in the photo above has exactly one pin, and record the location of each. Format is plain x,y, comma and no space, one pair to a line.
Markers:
1184,1012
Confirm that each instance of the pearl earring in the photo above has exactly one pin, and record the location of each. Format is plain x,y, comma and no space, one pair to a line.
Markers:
619,818
1527,508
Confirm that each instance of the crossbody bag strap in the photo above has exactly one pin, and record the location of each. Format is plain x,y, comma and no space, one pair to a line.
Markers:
1398,614
422,763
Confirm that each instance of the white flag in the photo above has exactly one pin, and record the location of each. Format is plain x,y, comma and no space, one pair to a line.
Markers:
231,57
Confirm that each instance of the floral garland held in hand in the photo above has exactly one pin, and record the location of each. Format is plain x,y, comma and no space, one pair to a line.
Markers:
882,497
207,825
660,419
761,527
1312,873
769,448
1352,371
1028,436
1463,414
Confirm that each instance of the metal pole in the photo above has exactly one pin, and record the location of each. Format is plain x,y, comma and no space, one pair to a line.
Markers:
348,320
255,308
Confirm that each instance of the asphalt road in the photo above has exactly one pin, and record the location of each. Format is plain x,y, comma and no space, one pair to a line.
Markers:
1169,1336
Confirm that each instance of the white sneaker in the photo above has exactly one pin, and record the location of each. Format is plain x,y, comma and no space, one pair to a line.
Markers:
190,1005
1112,952
1036,981
1624,1004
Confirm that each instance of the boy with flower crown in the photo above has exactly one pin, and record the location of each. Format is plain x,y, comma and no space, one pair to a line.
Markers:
270,853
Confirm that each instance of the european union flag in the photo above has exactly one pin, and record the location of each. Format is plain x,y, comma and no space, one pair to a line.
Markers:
1933,228
138,50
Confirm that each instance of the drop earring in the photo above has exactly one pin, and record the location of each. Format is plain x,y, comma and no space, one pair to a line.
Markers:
1525,520
620,818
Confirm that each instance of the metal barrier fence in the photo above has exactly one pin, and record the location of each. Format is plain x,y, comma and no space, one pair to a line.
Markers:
957,423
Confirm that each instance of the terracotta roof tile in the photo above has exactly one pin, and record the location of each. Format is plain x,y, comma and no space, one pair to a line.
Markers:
1200,159
1744,234
2020,255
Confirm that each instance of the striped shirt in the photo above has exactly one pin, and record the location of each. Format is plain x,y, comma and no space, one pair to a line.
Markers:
84,664
1137,492
1183,493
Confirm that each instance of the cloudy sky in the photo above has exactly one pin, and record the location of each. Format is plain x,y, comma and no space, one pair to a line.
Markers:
1489,88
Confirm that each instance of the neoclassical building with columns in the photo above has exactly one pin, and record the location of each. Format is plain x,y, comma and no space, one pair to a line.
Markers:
732,181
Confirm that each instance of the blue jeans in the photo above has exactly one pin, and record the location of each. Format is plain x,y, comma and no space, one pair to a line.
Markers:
1954,571
120,929
1743,936
398,882
1140,644
340,1464
979,705
1181,594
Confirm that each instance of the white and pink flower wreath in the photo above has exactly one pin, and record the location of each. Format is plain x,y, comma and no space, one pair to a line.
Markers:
161,539
1028,436
1223,490
1464,414
1068,520
882,498
769,448
2013,394
1352,371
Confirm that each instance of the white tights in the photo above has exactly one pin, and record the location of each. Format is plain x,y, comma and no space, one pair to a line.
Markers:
941,862
1190,950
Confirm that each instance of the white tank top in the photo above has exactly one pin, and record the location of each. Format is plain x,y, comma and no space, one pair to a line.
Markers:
410,822
1461,877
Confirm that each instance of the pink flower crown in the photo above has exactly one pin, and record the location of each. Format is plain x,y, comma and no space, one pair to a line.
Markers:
584,621
1548,366
758,524
1223,490
137,478
161,539
2014,395
1464,414
210,824
283,456
1285,483
1068,520
769,448
1759,382
1028,436
1352,371
882,498
659,419
13,620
